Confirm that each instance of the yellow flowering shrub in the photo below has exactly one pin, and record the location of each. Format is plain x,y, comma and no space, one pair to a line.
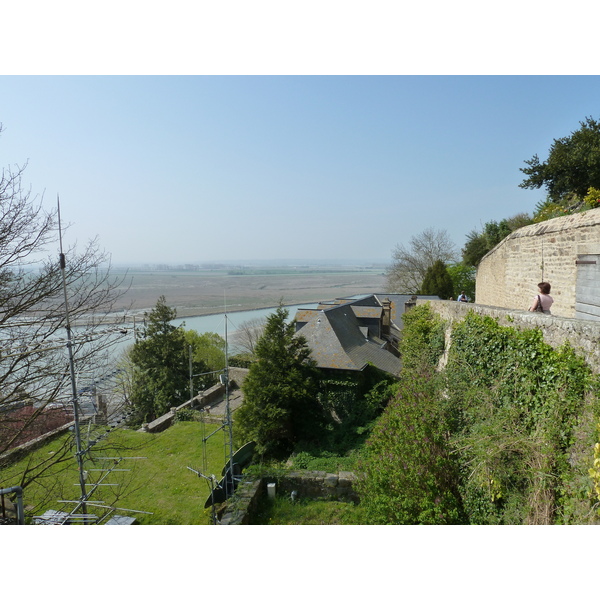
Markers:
592,199
595,470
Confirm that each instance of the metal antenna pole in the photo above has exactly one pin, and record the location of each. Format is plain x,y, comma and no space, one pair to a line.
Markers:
72,370
191,378
228,408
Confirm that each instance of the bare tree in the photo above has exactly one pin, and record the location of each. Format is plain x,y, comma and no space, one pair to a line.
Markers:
406,273
248,334
34,365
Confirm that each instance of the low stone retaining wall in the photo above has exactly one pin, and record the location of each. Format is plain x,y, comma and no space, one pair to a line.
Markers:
236,377
201,400
307,484
583,335
244,503
20,451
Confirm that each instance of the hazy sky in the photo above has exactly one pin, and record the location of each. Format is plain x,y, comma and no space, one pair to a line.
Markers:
202,168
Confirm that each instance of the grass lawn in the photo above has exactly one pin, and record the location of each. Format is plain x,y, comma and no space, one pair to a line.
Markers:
160,483
282,511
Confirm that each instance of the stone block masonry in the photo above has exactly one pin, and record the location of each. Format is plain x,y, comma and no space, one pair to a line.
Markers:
307,484
508,275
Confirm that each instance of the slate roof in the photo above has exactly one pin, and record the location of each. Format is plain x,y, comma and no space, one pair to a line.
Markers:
345,333
339,339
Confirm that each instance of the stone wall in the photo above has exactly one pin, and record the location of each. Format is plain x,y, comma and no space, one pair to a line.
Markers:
202,399
236,377
20,451
508,275
584,336
307,484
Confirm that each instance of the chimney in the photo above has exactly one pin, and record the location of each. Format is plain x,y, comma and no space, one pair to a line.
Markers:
386,319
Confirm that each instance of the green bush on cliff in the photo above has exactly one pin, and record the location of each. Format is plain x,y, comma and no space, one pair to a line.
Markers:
406,473
504,435
516,408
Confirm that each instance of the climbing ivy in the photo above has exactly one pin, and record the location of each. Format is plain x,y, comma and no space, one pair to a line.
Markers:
508,422
406,472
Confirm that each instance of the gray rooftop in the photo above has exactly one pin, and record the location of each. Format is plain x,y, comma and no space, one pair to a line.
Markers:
345,333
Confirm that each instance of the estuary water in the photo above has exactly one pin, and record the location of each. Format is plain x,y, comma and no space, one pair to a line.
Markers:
216,323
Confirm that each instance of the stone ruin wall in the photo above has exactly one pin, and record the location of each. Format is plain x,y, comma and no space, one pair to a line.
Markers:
508,275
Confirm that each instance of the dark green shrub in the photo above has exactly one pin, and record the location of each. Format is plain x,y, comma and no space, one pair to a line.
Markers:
186,414
509,428
422,340
406,473
437,281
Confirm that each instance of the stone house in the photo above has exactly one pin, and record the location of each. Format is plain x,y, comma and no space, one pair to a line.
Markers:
347,334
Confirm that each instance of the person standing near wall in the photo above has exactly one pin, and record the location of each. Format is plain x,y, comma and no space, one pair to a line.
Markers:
543,301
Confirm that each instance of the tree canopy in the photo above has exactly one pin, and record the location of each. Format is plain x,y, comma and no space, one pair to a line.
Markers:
463,278
280,391
479,243
572,166
159,359
437,281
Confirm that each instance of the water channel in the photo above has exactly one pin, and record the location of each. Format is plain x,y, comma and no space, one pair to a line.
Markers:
216,323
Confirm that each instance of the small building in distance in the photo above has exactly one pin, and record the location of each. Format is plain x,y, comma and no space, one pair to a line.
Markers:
347,334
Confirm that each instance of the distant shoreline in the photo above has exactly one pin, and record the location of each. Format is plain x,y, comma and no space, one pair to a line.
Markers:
222,312
196,295
138,313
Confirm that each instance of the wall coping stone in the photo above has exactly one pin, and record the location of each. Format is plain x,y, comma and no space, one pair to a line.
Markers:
582,335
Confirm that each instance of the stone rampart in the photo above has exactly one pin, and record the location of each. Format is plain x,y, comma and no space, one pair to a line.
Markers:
584,336
508,275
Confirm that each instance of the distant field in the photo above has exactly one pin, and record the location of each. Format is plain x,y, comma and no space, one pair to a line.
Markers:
203,292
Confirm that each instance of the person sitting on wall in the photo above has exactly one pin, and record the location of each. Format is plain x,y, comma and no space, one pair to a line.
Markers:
462,298
543,301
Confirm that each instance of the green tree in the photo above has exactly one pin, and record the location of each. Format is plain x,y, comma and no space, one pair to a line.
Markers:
208,349
160,361
479,243
463,278
280,392
572,167
406,472
437,281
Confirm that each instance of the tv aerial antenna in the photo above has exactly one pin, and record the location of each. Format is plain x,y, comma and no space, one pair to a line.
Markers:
220,490
79,513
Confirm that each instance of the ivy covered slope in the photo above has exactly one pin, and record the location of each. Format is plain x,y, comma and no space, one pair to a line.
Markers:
505,434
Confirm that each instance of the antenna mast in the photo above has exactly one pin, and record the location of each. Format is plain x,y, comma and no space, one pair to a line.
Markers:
228,419
72,371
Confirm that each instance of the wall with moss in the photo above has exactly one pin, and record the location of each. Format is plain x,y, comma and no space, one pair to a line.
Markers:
519,399
584,336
